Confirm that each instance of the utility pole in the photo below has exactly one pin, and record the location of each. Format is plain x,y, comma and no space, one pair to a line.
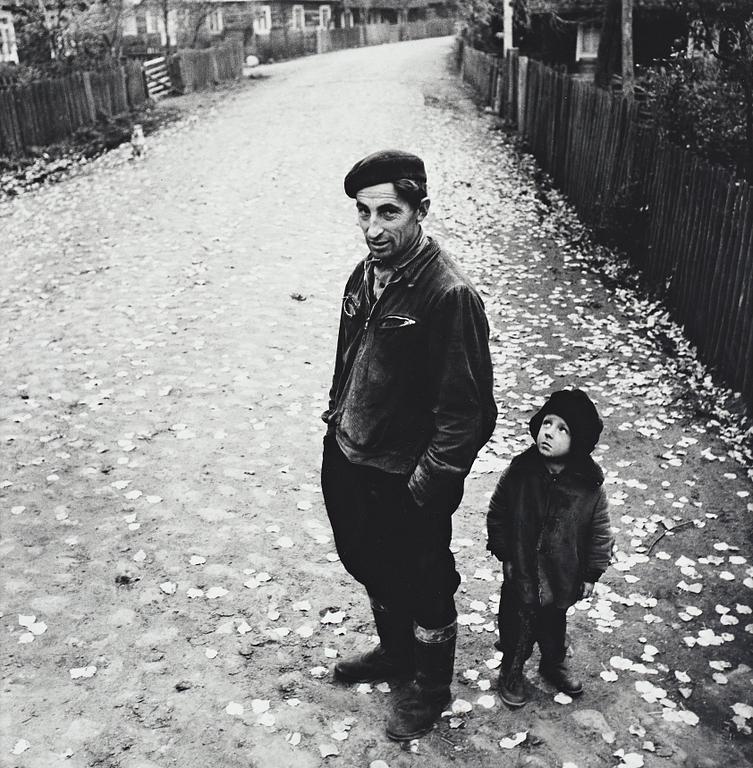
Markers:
507,24
628,77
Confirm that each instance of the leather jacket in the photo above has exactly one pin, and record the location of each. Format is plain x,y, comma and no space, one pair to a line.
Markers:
412,387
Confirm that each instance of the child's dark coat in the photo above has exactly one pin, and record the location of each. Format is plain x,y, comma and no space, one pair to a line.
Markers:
554,529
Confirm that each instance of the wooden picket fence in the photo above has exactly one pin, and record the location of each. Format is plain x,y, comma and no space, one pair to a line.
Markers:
686,223
47,111
193,70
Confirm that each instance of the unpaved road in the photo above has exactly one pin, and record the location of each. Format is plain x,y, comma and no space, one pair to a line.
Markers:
170,593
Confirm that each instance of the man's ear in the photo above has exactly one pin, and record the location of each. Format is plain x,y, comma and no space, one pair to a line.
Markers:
423,209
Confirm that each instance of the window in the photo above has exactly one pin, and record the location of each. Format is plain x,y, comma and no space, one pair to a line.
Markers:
172,24
299,17
348,20
325,14
587,44
152,22
8,50
215,21
263,20
130,28
155,25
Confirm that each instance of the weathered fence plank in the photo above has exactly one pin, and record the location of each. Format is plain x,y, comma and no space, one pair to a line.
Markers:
690,224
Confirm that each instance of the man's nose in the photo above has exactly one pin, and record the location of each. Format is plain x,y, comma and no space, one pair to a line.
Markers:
374,229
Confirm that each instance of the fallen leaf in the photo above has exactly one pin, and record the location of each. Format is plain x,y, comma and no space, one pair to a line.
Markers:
79,672
509,742
629,759
328,750
20,746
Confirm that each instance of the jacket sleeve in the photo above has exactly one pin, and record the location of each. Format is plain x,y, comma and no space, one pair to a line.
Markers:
496,520
337,372
460,393
350,286
600,546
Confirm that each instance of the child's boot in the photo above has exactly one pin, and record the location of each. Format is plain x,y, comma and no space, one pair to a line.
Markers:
560,676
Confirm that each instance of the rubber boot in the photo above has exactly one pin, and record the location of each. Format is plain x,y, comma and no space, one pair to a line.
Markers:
559,675
392,659
511,686
429,693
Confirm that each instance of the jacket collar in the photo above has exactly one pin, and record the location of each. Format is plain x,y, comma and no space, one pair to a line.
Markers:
583,468
413,263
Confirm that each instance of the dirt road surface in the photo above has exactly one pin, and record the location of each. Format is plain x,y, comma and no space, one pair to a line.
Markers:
170,592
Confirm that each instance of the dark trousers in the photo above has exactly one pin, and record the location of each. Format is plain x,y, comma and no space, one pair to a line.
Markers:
400,552
521,626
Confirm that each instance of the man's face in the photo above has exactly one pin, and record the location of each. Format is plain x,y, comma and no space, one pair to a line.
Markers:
388,222
553,440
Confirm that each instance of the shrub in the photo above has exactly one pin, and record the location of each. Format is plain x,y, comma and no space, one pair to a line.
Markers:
697,106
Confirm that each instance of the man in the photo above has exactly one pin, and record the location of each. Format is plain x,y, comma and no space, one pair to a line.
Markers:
411,404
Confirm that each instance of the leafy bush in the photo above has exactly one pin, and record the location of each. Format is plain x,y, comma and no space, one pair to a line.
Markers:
699,107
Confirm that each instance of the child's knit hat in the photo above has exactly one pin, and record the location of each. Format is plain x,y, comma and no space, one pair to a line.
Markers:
580,414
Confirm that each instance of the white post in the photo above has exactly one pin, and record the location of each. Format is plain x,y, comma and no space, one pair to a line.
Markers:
628,76
522,84
507,22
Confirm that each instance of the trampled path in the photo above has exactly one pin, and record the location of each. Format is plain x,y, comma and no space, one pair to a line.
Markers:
170,592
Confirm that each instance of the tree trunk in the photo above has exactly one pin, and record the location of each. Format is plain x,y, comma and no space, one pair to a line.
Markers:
609,57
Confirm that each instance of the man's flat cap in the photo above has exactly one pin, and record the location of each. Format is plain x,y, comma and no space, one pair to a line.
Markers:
381,167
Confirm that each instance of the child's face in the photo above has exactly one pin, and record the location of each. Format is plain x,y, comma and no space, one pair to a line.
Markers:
553,440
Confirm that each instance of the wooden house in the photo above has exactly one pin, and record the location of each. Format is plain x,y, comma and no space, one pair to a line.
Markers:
270,29
199,23
568,31
396,11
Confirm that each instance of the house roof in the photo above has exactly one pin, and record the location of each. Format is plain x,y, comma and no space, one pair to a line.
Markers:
393,4
577,6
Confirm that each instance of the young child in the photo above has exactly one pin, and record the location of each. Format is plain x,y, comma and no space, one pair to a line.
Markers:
548,523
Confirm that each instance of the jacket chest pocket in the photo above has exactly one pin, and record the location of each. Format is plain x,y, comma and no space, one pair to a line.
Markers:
397,340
